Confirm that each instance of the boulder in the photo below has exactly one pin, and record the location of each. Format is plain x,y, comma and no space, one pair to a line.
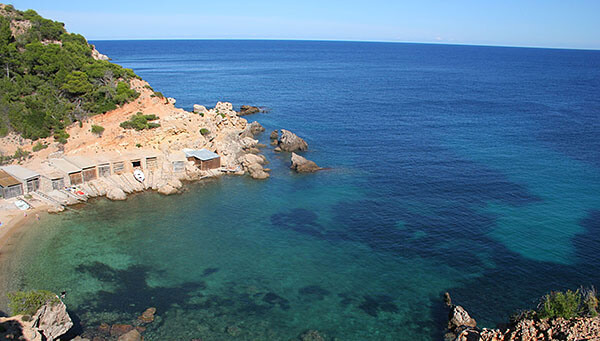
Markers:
248,110
460,318
290,142
200,109
302,165
274,135
120,329
56,209
147,316
172,100
167,189
256,128
116,193
52,320
133,335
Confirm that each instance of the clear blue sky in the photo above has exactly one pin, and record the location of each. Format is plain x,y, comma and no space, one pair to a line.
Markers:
546,23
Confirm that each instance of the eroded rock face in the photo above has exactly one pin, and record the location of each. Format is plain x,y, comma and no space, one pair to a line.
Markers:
52,320
302,165
290,142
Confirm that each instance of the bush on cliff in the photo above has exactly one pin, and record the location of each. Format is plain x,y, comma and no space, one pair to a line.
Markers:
28,302
561,304
140,121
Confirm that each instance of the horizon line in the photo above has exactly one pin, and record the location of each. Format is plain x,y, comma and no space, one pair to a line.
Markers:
362,41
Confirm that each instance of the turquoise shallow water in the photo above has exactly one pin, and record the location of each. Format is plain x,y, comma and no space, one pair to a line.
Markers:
474,170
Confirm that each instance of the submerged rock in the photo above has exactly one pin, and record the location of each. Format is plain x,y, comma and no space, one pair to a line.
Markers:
147,316
290,142
274,135
311,335
302,165
132,335
120,329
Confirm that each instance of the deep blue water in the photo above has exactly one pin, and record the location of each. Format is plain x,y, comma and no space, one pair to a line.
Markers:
473,170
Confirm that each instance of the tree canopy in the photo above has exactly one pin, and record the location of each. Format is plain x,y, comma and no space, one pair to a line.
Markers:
49,79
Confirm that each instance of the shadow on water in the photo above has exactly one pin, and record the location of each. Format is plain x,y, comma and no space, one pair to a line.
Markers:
11,330
487,299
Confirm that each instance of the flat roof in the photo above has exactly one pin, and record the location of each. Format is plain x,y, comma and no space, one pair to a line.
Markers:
81,161
20,172
201,154
176,156
48,171
64,166
7,180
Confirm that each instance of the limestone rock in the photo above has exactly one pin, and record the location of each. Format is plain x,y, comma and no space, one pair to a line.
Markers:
55,209
172,100
256,128
274,135
290,142
132,335
200,109
116,193
167,189
248,110
459,317
97,55
52,320
302,165
252,164
147,316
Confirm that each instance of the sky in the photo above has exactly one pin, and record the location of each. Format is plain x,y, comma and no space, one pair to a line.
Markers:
537,23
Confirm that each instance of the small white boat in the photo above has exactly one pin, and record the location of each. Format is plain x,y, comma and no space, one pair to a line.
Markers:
139,175
22,205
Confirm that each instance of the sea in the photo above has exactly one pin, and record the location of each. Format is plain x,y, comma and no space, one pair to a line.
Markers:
472,170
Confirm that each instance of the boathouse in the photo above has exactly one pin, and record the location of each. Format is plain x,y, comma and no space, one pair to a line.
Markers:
10,187
87,165
177,161
103,164
73,172
51,178
203,158
29,178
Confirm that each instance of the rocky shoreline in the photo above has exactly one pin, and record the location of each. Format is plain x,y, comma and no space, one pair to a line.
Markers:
462,327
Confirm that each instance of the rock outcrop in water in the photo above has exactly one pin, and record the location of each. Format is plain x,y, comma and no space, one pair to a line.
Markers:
290,142
462,327
302,165
248,110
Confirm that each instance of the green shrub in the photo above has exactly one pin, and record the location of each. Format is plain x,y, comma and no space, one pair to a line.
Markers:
96,129
222,115
39,146
590,301
61,136
138,145
20,153
204,131
157,94
140,121
28,302
560,304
